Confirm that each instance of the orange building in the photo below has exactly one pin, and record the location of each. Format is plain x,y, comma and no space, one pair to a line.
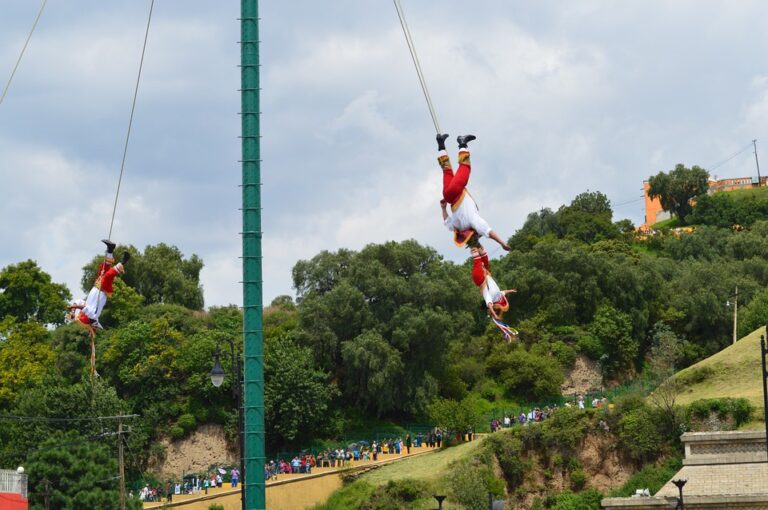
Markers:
13,490
654,213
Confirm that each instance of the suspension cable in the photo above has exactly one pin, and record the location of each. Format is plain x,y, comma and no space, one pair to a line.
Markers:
417,65
130,120
23,49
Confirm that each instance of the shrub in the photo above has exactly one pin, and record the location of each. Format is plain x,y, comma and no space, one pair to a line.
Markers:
586,500
651,477
177,432
187,422
639,435
737,408
406,490
591,347
470,481
215,506
578,479
695,375
565,429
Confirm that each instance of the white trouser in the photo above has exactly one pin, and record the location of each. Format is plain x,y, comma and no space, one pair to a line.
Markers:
94,304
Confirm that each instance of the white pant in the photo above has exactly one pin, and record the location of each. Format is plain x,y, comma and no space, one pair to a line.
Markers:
94,304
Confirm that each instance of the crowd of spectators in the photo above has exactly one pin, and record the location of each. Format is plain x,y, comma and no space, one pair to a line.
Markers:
537,414
190,484
346,456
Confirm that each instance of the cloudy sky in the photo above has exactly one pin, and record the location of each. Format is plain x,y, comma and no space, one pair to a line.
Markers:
563,96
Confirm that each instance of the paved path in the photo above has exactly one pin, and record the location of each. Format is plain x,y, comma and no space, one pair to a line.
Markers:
308,481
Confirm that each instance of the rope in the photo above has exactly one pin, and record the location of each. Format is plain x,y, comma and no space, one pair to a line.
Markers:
18,61
416,63
130,120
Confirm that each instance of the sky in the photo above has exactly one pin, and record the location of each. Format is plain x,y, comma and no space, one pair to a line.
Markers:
563,97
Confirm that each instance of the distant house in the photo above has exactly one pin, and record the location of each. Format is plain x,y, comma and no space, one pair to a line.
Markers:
654,213
13,490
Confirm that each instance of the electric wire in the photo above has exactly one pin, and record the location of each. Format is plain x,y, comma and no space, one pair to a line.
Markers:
726,160
9,417
23,49
416,63
130,120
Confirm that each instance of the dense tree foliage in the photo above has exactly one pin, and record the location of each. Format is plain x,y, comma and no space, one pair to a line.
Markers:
392,330
676,189
27,292
160,275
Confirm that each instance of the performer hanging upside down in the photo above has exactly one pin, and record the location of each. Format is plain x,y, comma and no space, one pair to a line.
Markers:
494,298
464,220
88,312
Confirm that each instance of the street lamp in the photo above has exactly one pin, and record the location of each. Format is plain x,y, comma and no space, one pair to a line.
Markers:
217,379
679,484
735,297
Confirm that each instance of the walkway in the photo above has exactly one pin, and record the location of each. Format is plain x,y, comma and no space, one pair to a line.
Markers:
289,491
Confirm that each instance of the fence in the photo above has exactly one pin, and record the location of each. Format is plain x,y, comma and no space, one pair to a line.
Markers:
12,482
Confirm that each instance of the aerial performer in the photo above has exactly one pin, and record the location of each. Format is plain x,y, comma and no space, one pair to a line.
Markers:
464,219
87,312
494,299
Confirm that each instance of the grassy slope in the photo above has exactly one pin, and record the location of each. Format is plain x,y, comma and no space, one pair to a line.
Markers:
737,373
423,467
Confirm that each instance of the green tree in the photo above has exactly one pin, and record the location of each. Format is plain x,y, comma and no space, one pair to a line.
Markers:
26,357
77,472
297,396
28,293
614,329
676,189
161,275
588,218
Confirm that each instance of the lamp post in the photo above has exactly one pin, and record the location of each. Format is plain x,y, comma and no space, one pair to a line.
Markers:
679,484
735,297
217,378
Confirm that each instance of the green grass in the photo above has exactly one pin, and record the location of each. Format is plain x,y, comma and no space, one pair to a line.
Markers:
758,193
733,372
423,467
670,223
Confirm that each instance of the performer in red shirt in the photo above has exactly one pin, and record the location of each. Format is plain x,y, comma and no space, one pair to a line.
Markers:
87,312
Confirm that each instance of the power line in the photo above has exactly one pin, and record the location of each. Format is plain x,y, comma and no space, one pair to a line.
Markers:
9,417
726,160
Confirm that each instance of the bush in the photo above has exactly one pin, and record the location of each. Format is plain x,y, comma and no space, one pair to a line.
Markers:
695,375
187,422
578,479
177,432
470,481
651,477
639,435
737,408
215,506
591,347
565,429
586,500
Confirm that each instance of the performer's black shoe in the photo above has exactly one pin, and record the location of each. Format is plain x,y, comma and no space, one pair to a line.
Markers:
441,141
463,140
126,257
110,245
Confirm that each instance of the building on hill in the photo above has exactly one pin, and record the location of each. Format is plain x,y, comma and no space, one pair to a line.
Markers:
655,213
13,490
721,470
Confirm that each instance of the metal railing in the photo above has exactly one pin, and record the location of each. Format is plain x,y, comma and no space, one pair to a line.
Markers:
12,482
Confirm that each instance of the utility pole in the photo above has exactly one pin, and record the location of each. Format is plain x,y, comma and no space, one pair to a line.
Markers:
47,494
757,163
735,312
121,462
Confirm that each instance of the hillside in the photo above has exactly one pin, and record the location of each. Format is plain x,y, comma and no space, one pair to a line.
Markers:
733,372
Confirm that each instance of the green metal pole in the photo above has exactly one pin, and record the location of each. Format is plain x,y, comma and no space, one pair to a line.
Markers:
253,341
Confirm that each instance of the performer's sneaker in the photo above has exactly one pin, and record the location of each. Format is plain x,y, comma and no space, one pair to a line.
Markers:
463,140
441,141
126,257
110,245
